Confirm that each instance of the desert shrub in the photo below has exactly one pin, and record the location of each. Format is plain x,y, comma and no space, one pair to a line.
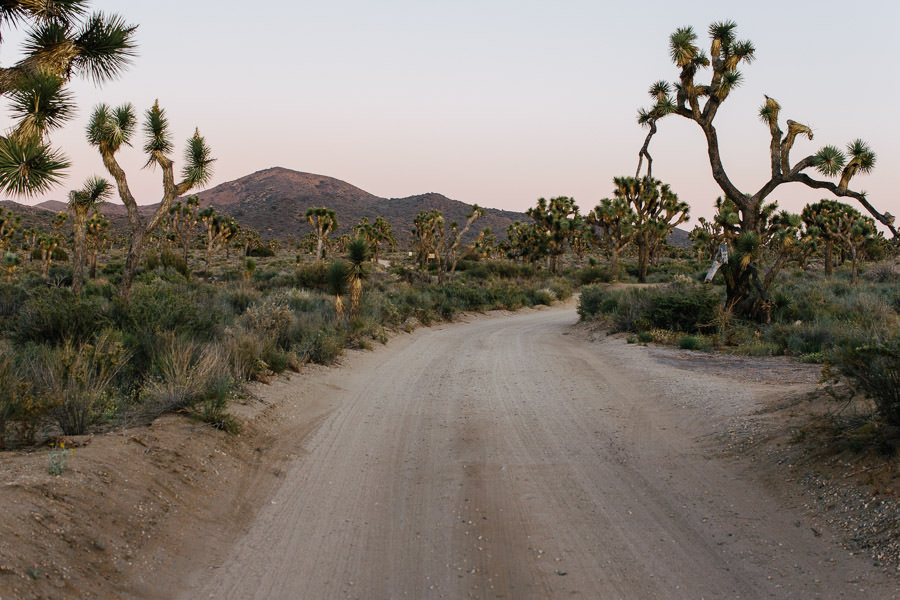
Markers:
240,297
12,298
874,370
244,351
882,272
213,407
507,295
176,262
312,275
270,320
589,301
75,380
593,274
683,307
689,342
52,315
181,373
561,288
190,310
645,337
14,389
261,251
322,344
543,296
59,275
302,300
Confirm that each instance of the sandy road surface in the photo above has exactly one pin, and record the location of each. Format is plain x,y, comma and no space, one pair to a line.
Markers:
503,458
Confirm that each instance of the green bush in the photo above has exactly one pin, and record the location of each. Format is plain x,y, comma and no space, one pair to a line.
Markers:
683,307
53,315
312,276
689,342
593,274
590,301
75,380
874,370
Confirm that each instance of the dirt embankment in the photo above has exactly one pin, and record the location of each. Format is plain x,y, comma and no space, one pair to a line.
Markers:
503,457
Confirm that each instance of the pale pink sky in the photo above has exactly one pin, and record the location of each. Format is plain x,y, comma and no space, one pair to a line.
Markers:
492,102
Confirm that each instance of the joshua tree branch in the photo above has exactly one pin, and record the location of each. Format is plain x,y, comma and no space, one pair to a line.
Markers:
644,151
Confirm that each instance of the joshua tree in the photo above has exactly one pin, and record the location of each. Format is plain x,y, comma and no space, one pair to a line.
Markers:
29,238
219,230
558,220
615,220
704,238
10,264
700,102
97,239
428,236
657,211
526,241
455,240
821,219
47,242
182,221
9,222
375,234
485,243
62,42
109,130
323,221
95,189
838,222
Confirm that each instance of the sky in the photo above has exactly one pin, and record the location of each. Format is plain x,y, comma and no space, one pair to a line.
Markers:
493,102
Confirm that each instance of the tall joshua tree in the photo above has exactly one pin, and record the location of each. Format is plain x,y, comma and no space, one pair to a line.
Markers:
182,221
839,223
97,239
657,210
95,189
700,102
62,42
110,129
614,219
323,221
558,220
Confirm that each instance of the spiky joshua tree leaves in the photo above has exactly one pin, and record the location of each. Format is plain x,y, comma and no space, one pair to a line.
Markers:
700,102
109,129
62,42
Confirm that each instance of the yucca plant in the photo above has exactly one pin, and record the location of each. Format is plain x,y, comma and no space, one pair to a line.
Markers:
337,277
358,252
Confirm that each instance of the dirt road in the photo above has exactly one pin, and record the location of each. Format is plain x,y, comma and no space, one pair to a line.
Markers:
506,458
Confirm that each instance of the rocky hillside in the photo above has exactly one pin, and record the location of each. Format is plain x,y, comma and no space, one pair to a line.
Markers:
273,201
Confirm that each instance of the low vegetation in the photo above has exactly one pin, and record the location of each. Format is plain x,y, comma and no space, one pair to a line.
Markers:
72,363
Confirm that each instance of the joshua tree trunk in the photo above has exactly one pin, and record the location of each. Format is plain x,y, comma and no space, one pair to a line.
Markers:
829,256
80,223
614,263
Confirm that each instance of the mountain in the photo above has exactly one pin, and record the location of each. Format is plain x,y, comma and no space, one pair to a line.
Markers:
274,202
